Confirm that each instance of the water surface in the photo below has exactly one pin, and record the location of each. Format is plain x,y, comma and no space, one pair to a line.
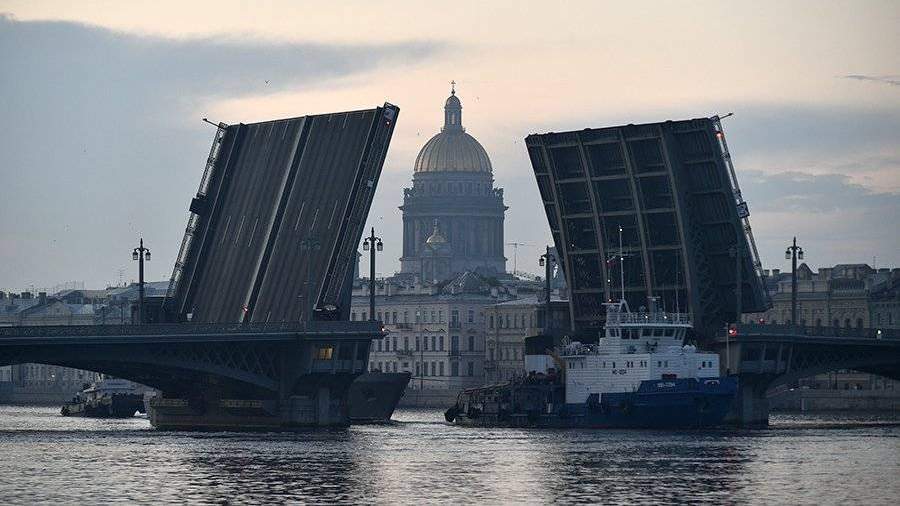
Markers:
805,459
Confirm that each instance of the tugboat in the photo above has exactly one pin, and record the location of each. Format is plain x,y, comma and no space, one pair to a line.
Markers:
639,375
107,398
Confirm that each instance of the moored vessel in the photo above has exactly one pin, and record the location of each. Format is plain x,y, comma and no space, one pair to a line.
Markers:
107,398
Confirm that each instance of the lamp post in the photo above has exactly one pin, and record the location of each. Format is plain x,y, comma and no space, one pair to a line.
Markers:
736,252
309,245
371,244
141,254
792,253
547,260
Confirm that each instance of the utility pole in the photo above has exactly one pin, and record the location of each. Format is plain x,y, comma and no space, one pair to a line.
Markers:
371,244
793,252
141,254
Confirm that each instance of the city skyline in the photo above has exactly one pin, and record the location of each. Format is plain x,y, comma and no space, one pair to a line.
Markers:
106,144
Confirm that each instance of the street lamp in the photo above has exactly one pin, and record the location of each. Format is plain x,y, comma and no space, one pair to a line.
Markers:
141,254
309,245
547,260
371,244
792,253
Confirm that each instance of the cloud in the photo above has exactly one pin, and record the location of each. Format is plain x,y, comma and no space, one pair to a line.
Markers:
102,139
889,80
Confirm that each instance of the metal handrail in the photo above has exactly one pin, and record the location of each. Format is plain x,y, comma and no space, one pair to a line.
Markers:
849,332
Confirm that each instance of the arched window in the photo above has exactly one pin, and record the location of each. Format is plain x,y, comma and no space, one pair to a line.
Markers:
847,323
859,323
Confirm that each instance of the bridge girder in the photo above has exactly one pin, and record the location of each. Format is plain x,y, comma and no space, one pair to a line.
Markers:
171,367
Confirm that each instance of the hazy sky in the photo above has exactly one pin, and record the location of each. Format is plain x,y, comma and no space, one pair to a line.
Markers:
100,108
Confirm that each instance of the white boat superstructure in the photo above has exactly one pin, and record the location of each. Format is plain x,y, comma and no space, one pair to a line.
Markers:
646,345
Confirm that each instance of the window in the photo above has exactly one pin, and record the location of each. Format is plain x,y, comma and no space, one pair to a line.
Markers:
353,316
387,344
417,343
406,343
440,368
394,317
433,343
454,343
380,366
454,368
379,317
364,316
371,366
418,369
666,363
425,343
507,321
434,368
379,345
441,344
471,367
471,343
406,317
471,316
454,317
432,317
440,316
492,321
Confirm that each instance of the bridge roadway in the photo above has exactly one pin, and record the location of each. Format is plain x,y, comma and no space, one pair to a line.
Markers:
767,356
263,376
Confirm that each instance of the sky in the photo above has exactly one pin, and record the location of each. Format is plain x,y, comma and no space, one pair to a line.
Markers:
101,106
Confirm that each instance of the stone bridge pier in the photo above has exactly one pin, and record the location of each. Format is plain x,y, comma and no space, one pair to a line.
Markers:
767,356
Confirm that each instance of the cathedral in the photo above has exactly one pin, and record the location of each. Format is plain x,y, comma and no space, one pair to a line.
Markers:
452,215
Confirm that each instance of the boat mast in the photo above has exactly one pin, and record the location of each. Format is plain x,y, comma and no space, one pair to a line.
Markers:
621,267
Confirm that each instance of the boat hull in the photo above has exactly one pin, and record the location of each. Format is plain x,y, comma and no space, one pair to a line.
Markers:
659,404
374,396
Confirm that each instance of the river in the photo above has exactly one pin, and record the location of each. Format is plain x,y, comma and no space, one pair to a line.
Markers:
801,459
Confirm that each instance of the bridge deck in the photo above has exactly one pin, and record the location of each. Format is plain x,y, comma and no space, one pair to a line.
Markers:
186,332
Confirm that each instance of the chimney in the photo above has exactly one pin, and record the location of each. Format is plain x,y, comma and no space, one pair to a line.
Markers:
42,298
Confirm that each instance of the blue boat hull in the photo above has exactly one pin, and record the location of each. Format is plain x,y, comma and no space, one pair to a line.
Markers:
658,404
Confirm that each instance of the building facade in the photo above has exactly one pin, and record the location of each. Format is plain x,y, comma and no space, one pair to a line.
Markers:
436,333
507,324
452,216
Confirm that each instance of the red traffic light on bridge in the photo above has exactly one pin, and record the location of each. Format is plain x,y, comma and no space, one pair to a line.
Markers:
732,331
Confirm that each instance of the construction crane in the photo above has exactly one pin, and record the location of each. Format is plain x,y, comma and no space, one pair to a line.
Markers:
515,246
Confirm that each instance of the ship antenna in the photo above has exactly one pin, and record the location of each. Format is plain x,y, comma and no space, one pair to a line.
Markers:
621,266
677,285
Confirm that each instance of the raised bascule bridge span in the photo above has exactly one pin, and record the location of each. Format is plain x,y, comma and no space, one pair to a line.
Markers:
259,300
768,356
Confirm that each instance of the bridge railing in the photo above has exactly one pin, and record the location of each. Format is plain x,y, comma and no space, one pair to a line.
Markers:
186,329
847,332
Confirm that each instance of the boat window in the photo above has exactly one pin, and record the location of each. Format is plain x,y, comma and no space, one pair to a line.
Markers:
669,332
635,334
657,332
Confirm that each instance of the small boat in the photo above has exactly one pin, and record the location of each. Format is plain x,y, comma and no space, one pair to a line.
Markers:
107,398
639,374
